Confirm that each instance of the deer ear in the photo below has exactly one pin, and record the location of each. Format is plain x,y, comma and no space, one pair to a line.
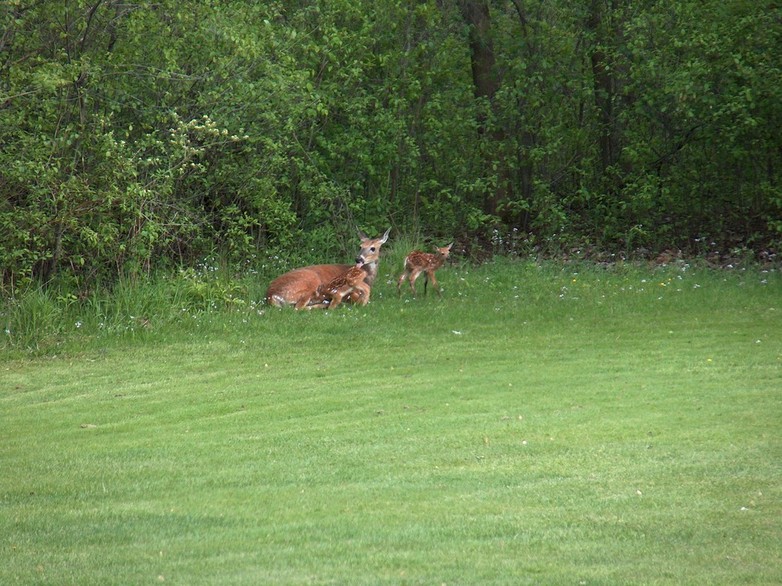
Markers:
385,236
362,235
449,246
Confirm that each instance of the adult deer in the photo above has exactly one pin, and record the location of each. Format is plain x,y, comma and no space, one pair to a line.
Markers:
332,293
418,262
297,287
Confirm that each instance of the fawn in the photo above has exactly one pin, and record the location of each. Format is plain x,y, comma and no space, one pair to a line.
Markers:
418,262
297,287
332,293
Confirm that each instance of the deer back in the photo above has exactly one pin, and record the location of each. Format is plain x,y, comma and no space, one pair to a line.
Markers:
289,288
427,260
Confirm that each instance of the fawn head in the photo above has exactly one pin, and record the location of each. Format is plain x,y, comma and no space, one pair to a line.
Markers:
433,261
444,251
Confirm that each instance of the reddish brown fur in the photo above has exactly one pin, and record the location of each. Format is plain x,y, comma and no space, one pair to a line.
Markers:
418,262
336,290
297,287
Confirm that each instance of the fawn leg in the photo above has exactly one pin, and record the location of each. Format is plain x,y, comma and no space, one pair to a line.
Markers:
413,276
401,280
363,290
335,301
435,284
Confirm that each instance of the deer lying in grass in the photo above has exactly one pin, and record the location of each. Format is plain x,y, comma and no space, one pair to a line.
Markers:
297,287
332,293
418,262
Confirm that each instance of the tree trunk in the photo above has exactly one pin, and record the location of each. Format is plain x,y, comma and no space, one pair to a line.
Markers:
486,83
604,85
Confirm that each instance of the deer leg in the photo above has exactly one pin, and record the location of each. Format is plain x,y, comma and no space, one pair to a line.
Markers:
413,276
435,284
335,301
303,301
363,290
401,280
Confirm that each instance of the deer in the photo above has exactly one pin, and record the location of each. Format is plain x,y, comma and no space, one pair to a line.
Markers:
297,287
418,262
332,293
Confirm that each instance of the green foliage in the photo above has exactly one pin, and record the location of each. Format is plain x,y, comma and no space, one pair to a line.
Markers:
143,136
700,136
199,291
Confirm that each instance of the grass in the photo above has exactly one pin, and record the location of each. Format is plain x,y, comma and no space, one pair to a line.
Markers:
540,425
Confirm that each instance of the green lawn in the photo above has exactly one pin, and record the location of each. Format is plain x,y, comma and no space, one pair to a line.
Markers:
540,425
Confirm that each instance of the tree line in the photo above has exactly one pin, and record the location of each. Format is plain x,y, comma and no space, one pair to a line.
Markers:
148,134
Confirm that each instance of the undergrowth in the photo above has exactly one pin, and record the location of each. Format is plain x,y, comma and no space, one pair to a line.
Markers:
45,321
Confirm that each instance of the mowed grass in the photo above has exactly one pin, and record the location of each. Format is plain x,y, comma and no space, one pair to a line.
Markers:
539,425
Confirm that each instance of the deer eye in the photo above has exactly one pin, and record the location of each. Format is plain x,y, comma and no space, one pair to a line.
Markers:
372,249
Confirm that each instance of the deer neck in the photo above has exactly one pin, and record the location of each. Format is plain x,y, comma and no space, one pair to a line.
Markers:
370,269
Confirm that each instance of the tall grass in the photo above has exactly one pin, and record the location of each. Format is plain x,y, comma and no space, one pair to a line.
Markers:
46,321
40,322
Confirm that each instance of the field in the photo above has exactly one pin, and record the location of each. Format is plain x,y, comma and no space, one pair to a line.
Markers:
542,424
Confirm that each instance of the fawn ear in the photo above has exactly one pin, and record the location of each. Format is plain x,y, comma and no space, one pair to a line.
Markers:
385,236
449,246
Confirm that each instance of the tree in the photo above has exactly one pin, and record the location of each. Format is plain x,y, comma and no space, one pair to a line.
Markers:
486,84
141,135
